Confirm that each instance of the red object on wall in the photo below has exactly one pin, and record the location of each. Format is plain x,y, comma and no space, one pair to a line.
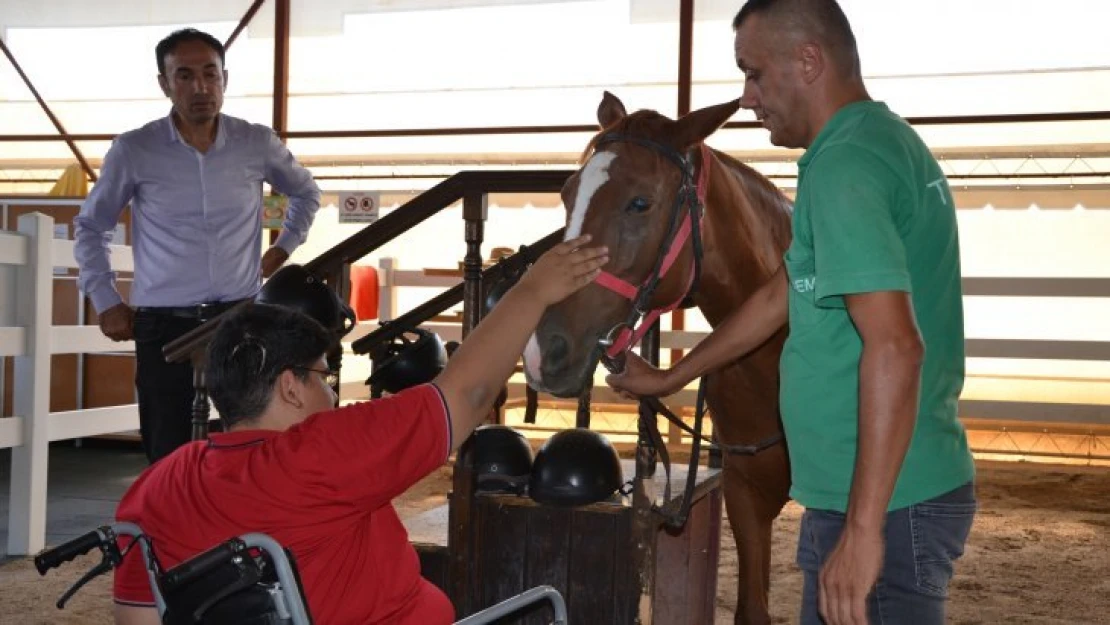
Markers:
364,291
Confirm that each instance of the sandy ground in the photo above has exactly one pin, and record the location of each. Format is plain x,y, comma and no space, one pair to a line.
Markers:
1039,553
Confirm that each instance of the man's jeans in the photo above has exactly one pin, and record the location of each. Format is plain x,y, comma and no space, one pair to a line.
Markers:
922,543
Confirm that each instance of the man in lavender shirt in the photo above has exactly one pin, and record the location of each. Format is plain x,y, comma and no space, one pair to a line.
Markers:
194,183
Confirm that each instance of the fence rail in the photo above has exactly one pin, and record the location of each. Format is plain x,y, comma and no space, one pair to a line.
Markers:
392,279
29,257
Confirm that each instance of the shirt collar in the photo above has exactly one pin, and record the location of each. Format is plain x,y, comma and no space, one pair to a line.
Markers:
175,136
847,112
240,438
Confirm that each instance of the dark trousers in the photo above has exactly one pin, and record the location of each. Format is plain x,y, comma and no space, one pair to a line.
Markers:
165,390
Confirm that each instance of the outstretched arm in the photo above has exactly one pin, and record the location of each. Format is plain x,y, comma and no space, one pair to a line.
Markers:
484,361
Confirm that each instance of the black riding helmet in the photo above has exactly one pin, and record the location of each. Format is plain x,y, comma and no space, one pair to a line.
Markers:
405,361
511,272
501,459
575,467
294,287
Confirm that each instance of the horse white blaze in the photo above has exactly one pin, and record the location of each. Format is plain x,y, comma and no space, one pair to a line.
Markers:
594,174
532,359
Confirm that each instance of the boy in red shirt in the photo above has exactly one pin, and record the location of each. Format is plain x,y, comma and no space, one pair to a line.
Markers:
320,480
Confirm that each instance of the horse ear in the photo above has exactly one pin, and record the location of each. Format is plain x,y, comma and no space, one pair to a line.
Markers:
694,127
610,111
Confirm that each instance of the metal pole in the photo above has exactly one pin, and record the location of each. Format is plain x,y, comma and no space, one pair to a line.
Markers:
281,76
685,54
685,80
281,66
46,109
247,17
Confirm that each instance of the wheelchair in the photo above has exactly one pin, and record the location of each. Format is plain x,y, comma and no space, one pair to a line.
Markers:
246,580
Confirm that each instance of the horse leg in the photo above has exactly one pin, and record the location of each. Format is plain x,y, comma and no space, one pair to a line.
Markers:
751,513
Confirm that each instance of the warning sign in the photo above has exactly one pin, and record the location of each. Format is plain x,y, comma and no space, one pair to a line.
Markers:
359,206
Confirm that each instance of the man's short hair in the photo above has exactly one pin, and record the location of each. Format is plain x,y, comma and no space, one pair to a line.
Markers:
822,21
177,37
251,348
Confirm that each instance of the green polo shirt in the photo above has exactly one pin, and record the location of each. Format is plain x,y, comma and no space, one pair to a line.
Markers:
873,212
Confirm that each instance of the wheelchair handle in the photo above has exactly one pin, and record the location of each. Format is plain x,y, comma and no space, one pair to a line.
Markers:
53,558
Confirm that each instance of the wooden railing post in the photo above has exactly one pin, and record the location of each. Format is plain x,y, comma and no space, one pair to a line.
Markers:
31,401
461,535
474,215
201,408
644,520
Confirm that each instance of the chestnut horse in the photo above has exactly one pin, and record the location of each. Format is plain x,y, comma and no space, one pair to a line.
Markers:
636,185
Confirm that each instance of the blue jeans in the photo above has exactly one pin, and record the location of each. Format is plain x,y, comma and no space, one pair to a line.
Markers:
922,543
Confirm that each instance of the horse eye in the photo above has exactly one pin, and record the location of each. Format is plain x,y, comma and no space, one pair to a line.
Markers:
638,205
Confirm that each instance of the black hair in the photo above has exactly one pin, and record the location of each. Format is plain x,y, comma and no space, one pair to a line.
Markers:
251,348
822,20
177,37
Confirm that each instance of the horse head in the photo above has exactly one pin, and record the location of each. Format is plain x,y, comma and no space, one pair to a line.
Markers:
637,184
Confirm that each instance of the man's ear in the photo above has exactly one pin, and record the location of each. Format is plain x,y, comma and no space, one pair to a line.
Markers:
812,59
164,84
289,389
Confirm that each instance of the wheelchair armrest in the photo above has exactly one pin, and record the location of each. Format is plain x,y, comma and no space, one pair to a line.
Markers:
203,564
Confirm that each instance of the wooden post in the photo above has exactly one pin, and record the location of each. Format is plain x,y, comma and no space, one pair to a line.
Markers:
201,409
474,214
31,401
644,521
462,532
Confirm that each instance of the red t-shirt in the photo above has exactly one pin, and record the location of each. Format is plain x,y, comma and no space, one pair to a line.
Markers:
322,489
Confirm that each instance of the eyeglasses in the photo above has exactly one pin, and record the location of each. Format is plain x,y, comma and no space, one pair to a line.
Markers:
331,378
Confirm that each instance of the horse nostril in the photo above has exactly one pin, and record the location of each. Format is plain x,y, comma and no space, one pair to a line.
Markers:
558,348
555,356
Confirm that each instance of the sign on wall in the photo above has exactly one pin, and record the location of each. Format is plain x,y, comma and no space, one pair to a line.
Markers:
273,210
359,207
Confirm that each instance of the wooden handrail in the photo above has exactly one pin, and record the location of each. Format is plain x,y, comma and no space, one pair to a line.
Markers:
452,296
399,221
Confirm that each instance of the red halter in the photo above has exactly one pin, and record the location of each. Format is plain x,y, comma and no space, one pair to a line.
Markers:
629,332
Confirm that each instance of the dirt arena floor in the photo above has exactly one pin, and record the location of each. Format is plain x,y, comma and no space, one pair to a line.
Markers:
1039,553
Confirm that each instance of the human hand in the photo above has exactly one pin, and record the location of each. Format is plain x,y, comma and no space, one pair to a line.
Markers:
564,269
641,378
848,576
272,260
118,322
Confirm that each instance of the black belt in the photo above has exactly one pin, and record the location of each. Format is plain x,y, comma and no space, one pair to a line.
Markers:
200,312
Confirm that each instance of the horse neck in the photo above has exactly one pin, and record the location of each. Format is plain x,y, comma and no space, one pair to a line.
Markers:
746,231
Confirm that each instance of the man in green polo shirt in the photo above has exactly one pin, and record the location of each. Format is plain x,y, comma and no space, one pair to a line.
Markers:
874,363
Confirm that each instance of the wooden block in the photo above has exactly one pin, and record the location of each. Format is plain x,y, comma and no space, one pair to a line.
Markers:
501,551
548,554
593,555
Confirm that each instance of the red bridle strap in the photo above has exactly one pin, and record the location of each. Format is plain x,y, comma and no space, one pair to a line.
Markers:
629,337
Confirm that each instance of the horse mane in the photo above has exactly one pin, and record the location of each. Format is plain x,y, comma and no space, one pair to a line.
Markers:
763,192
644,123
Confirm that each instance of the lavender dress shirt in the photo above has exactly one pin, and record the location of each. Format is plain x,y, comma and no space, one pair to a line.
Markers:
196,218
